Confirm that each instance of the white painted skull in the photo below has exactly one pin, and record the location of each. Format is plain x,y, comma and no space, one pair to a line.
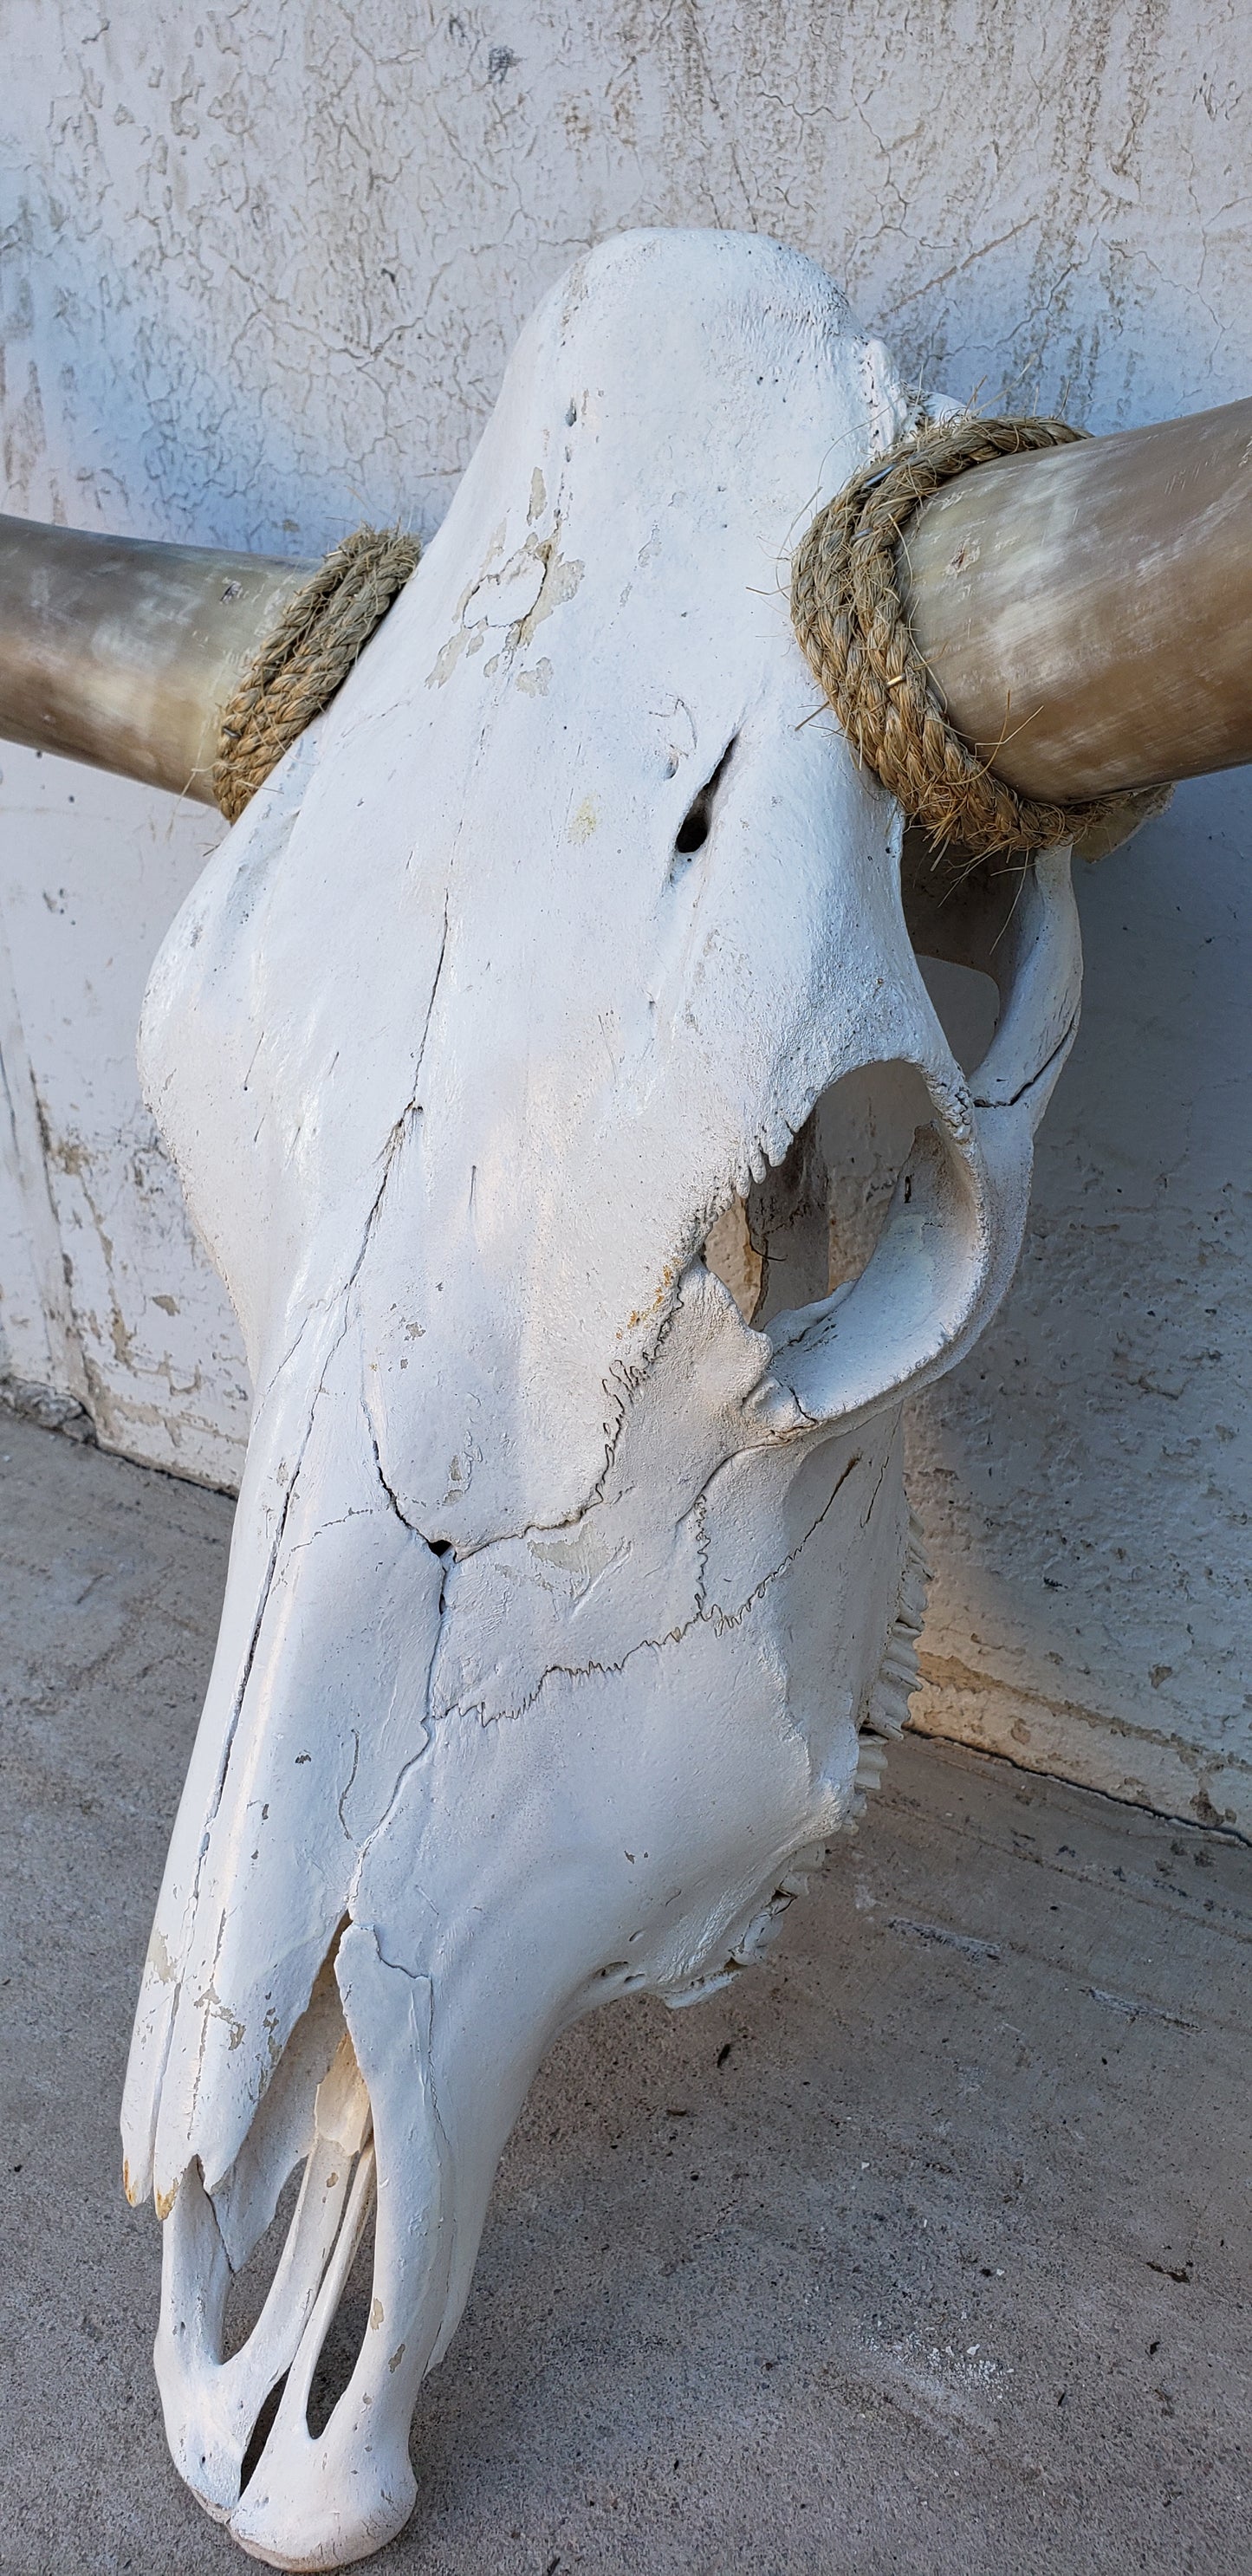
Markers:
560,1593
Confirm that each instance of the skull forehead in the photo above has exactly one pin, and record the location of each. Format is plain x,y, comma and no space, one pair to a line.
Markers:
478,1038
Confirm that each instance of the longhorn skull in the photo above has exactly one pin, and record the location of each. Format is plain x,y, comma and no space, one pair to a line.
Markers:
531,1053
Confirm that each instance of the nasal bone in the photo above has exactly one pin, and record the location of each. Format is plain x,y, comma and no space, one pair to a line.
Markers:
315,1709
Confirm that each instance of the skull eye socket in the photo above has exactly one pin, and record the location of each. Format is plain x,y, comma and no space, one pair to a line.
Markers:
839,1202
813,1223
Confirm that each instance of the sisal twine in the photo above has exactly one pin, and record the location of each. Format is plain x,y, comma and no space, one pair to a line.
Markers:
311,651
851,623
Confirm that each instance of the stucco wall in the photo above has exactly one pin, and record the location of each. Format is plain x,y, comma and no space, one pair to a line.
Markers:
260,273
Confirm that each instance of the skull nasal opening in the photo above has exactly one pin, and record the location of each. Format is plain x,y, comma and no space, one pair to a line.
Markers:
268,2281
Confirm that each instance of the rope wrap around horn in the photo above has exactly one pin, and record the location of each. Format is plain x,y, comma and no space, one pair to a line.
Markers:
307,657
851,623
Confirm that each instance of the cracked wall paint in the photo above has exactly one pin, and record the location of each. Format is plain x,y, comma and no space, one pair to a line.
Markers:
260,277
262,274
133,1323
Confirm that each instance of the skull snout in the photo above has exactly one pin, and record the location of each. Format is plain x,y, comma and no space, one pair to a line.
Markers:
244,2424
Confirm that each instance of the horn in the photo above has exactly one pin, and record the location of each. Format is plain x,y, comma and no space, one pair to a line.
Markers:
1086,610
124,653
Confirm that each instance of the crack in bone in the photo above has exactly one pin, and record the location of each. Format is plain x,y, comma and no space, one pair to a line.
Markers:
341,1300
709,1615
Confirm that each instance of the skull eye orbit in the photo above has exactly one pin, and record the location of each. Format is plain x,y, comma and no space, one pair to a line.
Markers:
812,1224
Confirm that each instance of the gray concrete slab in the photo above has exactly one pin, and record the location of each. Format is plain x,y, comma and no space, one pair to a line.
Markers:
922,2250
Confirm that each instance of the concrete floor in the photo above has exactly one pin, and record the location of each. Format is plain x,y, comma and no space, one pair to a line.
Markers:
922,2250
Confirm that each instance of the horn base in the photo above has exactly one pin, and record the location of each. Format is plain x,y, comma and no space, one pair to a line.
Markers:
123,653
1087,612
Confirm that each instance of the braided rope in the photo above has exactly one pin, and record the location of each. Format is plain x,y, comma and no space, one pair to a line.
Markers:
319,636
848,616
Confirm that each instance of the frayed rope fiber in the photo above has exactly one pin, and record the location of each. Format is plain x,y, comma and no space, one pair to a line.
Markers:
848,616
319,636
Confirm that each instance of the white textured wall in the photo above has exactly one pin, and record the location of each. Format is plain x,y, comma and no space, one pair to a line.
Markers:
1086,1476
259,272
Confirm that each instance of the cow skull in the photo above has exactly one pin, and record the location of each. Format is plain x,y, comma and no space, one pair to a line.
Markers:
556,986
562,949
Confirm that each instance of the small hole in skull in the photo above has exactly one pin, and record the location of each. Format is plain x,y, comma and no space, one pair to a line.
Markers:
345,2336
697,822
812,1225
